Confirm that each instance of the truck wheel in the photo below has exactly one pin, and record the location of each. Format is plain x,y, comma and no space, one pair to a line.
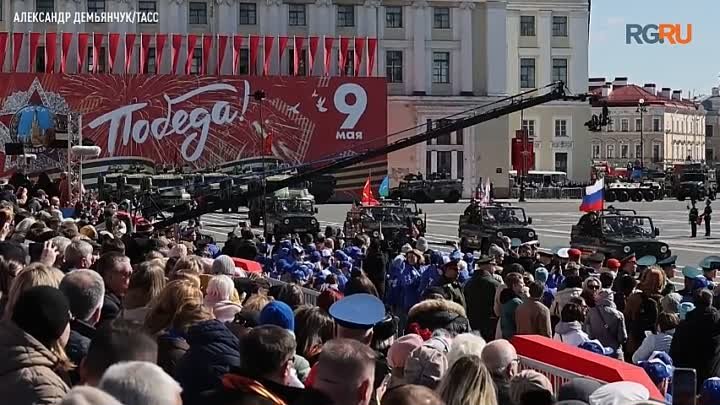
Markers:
453,197
610,196
623,196
636,196
649,195
680,197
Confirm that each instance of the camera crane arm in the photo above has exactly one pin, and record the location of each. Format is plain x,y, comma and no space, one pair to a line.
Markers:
514,104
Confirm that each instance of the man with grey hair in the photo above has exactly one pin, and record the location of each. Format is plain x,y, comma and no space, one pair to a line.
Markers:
501,360
85,291
78,255
61,243
141,383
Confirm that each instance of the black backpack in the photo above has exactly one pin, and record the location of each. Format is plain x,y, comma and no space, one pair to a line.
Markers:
647,318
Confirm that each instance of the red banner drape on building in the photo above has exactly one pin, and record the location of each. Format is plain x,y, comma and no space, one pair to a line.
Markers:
254,45
50,51
297,54
222,46
113,43
3,48
344,45
206,48
34,42
82,47
175,52
160,40
358,54
328,54
97,43
191,42
144,48
129,48
267,49
283,41
371,47
237,44
17,47
66,42
314,41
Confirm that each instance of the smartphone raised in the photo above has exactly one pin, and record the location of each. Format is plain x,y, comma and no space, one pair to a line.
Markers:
684,386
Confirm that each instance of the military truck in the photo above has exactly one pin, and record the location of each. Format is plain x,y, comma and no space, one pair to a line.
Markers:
398,221
618,233
435,187
121,186
696,181
482,225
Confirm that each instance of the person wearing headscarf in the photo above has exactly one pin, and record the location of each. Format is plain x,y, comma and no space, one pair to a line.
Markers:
619,393
643,307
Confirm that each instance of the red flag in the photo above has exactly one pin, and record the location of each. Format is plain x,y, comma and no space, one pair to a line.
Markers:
328,53
50,47
367,194
237,44
82,47
297,54
222,46
113,41
254,45
66,42
358,54
344,45
191,41
313,51
281,50
97,43
160,40
129,47
3,47
268,53
34,41
17,47
144,48
206,48
372,46
175,54
267,144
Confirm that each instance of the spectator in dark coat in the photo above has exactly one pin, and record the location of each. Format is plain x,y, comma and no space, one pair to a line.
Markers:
214,350
696,343
479,298
375,266
116,271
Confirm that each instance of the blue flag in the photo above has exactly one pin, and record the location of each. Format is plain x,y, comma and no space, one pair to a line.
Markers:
384,187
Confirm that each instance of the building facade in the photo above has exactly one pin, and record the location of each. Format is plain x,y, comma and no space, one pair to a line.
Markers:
440,58
712,126
657,127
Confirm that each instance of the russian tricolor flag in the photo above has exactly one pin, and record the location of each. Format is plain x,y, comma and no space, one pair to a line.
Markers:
594,199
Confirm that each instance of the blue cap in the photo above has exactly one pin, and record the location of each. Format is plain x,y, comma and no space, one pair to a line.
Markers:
278,313
596,347
711,391
469,258
691,272
657,370
456,256
646,261
541,274
358,311
710,263
700,283
286,244
315,256
515,242
664,357
341,256
670,261
684,309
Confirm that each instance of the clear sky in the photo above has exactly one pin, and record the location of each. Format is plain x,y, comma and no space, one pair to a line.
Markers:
694,67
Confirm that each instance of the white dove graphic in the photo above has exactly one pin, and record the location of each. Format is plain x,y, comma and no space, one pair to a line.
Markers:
314,94
294,109
321,105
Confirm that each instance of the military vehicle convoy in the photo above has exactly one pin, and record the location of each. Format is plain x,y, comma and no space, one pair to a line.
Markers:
623,191
435,187
398,221
483,225
695,181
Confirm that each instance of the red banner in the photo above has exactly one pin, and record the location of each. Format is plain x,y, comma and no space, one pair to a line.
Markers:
82,47
66,42
17,47
297,54
237,45
34,41
358,54
97,44
113,43
139,118
191,42
372,46
328,54
175,52
344,45
281,51
313,52
50,49
222,47
144,50
254,45
160,40
3,49
129,47
267,49
206,48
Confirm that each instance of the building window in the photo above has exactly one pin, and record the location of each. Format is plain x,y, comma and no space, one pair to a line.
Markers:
611,151
656,125
561,162
393,17
101,62
624,125
95,6
596,151
301,62
244,65
611,125
460,165
443,139
345,15
197,13
529,126
428,163
559,70
428,128
656,153
527,26
527,73
708,130
394,66
248,14
638,124
147,7
44,6
196,61
459,135
151,60
441,67
559,26
296,14
624,151
561,128
441,18
40,59
638,151
444,164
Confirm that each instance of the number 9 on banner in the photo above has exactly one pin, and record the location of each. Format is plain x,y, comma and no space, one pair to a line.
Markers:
352,111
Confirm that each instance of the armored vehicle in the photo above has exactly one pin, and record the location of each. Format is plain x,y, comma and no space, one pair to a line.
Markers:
617,233
398,221
624,191
435,187
480,226
695,181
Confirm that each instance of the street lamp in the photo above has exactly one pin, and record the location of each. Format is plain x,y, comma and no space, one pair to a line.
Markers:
642,109
259,96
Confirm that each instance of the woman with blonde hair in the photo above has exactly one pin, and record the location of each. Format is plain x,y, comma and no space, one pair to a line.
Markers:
219,298
172,344
257,302
146,284
188,264
643,308
33,275
166,305
467,382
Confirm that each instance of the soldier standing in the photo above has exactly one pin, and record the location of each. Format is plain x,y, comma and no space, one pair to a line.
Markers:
693,217
707,213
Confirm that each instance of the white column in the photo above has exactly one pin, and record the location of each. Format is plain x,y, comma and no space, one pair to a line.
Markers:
372,13
543,66
496,48
453,164
420,8
466,48
578,80
227,21
433,162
